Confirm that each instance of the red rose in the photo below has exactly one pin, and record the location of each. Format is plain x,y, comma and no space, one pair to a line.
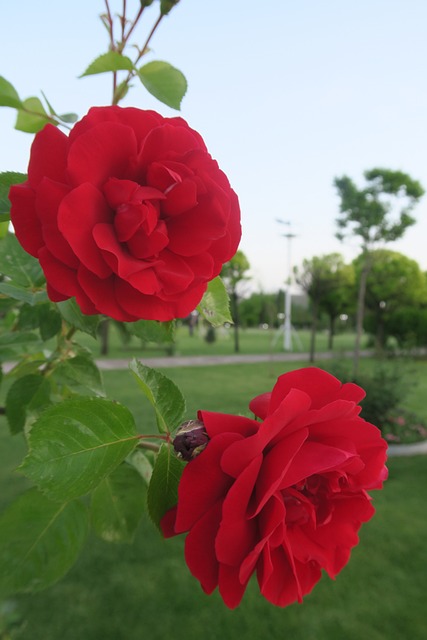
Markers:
129,214
283,498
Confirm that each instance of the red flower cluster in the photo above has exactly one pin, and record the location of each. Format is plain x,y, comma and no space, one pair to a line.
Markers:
129,214
283,498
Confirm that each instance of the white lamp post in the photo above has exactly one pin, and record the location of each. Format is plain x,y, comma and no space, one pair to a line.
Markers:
287,325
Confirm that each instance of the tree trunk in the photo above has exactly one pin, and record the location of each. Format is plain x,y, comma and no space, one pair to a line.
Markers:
103,332
360,312
313,330
236,321
331,332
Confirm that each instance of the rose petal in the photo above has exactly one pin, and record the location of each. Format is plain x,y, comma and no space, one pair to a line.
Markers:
48,156
25,219
200,547
79,212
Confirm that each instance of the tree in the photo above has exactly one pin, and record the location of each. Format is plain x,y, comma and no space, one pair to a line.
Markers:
322,279
234,274
378,213
394,282
339,298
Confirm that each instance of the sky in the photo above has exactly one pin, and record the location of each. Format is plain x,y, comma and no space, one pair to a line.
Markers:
287,96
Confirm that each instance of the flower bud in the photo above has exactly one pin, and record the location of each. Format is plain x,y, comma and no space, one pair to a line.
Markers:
190,440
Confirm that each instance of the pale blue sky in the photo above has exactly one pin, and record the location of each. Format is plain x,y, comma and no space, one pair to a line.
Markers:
287,95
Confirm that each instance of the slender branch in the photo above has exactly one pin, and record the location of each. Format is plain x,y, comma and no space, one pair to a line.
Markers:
112,44
133,25
123,22
150,35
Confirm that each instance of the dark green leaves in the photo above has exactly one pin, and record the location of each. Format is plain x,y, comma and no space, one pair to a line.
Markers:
70,311
28,394
25,277
163,489
151,330
32,116
215,304
39,542
164,82
164,396
7,179
76,444
118,503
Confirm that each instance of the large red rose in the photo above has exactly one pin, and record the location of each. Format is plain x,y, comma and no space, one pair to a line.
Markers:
282,498
129,214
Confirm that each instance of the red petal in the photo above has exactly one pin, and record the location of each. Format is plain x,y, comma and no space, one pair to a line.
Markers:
60,277
48,156
200,548
102,293
203,483
48,199
167,142
79,212
216,423
167,523
230,587
24,218
107,150
259,405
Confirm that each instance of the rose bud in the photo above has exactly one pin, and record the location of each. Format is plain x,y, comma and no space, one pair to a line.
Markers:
190,440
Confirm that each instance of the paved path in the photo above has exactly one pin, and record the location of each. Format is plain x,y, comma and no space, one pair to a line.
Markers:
202,361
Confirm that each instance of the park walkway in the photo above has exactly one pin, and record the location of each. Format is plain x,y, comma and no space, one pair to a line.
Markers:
206,360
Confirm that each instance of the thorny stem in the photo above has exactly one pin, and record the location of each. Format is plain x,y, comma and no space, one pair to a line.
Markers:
149,445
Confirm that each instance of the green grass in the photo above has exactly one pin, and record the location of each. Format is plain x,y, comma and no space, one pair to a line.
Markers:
251,341
145,590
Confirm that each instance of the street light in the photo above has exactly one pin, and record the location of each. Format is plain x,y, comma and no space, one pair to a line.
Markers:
287,325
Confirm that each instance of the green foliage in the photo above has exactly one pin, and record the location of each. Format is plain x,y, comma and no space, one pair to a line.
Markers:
118,504
8,95
163,488
32,116
27,397
25,280
111,61
70,311
163,395
39,541
164,82
151,330
75,444
7,179
214,306
80,374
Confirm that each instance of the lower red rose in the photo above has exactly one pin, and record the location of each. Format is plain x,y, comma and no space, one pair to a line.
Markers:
283,498
129,214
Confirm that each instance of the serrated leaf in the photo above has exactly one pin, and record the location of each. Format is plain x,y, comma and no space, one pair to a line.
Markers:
22,269
29,394
111,61
8,95
40,540
71,313
214,305
32,116
142,464
152,331
74,445
7,179
163,488
49,321
118,503
163,394
80,373
164,82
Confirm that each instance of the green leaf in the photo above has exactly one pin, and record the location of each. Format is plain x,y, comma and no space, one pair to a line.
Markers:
164,82
163,394
27,395
7,179
22,294
118,503
40,540
71,313
111,61
32,116
214,305
74,445
22,269
8,95
142,464
80,373
163,489
49,321
152,331
69,118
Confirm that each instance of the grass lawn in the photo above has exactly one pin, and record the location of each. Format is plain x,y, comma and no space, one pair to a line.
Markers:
251,341
145,590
